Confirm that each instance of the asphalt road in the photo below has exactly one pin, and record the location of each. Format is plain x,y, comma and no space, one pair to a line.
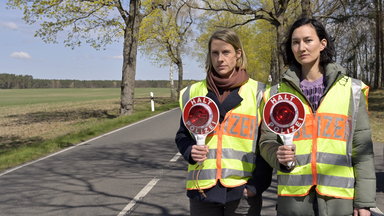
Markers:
132,171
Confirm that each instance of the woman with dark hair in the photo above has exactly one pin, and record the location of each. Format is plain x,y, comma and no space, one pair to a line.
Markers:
326,55
333,172
226,176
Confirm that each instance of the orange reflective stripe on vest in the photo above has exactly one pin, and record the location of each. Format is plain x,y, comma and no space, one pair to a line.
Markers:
324,143
231,158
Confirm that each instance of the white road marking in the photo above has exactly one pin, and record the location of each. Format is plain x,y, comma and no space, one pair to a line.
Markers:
85,142
176,157
145,190
139,196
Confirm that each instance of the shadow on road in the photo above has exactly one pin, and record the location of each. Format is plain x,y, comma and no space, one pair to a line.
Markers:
99,178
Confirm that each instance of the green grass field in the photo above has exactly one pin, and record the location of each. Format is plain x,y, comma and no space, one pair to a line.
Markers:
10,97
36,122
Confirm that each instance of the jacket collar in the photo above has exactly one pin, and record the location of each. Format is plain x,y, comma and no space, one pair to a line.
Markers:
228,104
332,71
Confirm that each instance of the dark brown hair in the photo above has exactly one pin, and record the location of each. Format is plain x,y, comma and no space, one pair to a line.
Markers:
326,56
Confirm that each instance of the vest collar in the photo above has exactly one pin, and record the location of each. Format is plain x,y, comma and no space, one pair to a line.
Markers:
332,71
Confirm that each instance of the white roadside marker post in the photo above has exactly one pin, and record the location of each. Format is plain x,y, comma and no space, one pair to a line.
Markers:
152,102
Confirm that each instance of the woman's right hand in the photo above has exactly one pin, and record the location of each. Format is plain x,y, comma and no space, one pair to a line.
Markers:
199,152
285,154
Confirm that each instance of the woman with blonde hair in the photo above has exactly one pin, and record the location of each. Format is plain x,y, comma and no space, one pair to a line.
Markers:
231,174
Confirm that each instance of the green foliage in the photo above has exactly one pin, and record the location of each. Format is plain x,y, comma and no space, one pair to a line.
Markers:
163,33
154,36
96,22
258,39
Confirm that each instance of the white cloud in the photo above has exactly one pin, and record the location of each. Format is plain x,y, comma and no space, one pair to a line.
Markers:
21,55
10,25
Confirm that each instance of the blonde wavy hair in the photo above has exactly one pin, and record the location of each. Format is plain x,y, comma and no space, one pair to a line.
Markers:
228,36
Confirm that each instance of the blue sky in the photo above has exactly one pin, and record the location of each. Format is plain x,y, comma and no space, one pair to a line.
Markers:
23,54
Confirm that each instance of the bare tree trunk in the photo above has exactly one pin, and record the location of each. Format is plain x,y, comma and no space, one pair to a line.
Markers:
377,45
277,61
306,10
129,58
277,64
172,83
365,71
280,35
180,78
354,66
274,70
178,61
381,43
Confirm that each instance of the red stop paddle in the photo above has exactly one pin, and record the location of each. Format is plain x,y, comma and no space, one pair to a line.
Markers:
284,114
200,116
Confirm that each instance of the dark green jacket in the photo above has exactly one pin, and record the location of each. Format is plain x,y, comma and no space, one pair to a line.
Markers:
362,148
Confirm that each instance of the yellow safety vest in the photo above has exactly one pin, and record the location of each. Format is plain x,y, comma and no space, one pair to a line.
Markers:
231,158
324,143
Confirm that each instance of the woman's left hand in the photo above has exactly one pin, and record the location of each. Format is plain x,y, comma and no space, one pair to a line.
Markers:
285,154
361,212
248,193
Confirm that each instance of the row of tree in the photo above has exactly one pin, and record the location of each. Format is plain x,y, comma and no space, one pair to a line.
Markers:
169,30
12,81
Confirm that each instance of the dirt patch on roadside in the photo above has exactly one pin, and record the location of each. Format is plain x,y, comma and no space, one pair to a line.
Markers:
8,142
70,115
36,123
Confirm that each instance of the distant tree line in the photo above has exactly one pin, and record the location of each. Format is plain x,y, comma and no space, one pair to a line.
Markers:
12,81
